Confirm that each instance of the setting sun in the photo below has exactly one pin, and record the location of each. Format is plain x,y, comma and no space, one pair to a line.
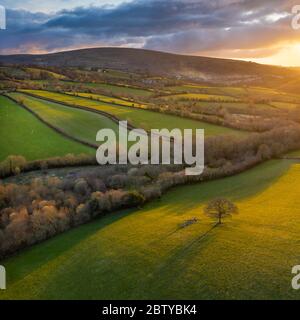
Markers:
288,55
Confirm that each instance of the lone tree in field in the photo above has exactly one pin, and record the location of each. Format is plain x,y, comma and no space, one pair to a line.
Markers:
220,208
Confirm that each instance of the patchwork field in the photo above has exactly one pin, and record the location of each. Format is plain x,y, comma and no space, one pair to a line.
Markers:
108,99
285,105
115,89
227,91
137,117
78,123
237,93
232,107
23,134
72,229
119,74
142,253
37,72
120,90
200,96
272,94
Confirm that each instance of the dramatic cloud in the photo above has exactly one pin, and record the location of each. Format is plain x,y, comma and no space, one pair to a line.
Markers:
47,6
231,28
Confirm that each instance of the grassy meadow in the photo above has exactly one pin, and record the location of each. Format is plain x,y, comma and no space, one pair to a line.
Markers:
108,99
52,75
142,254
232,93
200,96
23,134
212,90
114,89
122,90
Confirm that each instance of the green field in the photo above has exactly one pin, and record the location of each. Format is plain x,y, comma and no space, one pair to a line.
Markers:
237,92
23,134
27,73
37,72
192,88
200,96
117,90
140,118
108,99
285,105
272,94
120,90
14,72
78,123
233,107
141,254
114,89
119,74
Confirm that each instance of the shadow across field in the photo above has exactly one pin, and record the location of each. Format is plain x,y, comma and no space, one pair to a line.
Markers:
146,256
36,256
244,185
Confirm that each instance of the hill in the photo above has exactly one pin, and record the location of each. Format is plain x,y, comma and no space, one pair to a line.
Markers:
161,63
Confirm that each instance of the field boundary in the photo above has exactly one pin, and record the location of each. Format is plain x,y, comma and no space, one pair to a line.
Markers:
109,115
56,129
113,84
130,126
205,100
115,119
99,100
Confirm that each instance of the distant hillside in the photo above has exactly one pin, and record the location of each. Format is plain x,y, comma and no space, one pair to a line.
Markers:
159,63
292,86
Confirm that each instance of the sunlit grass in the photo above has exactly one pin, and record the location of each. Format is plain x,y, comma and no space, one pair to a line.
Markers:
22,134
78,123
141,254
200,96
115,89
139,118
108,99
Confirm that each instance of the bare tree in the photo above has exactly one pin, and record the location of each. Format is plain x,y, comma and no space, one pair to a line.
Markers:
220,208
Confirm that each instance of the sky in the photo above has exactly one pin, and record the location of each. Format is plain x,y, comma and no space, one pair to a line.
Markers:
252,30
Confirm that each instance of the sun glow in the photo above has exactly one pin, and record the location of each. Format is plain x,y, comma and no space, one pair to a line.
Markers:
287,56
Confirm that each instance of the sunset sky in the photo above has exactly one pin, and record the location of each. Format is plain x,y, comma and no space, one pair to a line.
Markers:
256,30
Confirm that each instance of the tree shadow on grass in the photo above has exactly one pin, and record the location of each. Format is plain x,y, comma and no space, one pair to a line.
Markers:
198,239
244,185
186,250
179,228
